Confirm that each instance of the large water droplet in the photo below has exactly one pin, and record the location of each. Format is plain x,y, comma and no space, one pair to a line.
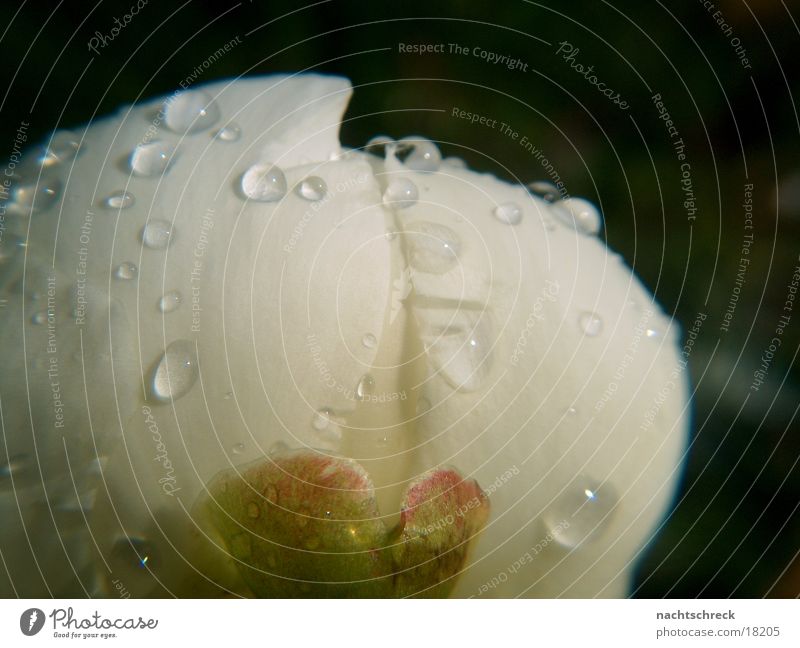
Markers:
432,248
508,213
312,188
545,190
125,271
120,200
170,301
190,111
176,372
365,387
63,147
423,154
152,158
579,214
591,324
581,512
35,196
460,354
400,193
229,133
264,183
369,341
157,234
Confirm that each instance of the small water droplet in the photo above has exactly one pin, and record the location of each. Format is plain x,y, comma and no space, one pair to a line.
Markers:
572,411
63,147
176,372
652,333
264,183
579,214
591,324
581,512
369,341
423,154
229,133
39,318
35,196
432,248
119,200
190,112
228,395
508,213
365,387
151,158
322,419
157,234
400,193
312,188
125,271
253,511
170,301
545,190
238,448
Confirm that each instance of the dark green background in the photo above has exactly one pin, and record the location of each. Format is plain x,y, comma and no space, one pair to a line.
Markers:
735,527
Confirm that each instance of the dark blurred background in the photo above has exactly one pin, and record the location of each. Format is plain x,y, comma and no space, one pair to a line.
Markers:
735,529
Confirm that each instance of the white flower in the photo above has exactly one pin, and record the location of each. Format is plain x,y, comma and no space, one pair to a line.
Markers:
212,284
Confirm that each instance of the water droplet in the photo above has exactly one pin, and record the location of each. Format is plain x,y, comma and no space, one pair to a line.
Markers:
125,271
228,395
545,190
264,183
62,148
369,341
253,511
401,193
508,213
229,133
454,163
39,318
120,200
170,301
378,144
580,512
312,188
279,447
423,154
190,112
572,411
460,354
176,372
579,214
238,448
35,196
157,234
432,248
591,324
321,419
652,333
365,387
151,158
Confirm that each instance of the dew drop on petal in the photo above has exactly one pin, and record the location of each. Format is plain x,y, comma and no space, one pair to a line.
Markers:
579,214
39,318
170,301
229,133
580,512
369,341
545,190
365,387
238,448
322,419
508,213
190,111
119,200
424,155
125,271
432,247
378,144
157,234
264,183
63,147
312,188
591,324
400,193
152,158
460,354
176,372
